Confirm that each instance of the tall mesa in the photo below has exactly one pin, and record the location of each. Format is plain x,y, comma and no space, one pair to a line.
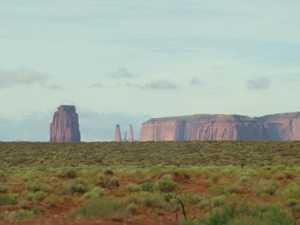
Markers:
281,127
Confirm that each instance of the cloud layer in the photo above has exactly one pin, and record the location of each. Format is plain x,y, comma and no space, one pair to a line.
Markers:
125,78
130,56
160,85
261,83
21,77
195,81
122,73
25,77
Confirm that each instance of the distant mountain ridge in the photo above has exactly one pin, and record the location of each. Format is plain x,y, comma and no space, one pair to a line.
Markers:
282,126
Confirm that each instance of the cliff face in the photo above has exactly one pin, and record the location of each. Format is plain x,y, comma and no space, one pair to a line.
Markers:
282,126
223,127
65,125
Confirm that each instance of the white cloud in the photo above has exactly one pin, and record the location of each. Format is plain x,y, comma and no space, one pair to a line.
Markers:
98,85
21,77
154,85
261,83
195,81
54,87
122,73
160,85
25,77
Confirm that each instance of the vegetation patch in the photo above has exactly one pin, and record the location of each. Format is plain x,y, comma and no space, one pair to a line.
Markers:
8,199
200,183
244,215
102,207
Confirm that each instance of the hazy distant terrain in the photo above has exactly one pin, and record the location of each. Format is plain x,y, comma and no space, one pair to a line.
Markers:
94,126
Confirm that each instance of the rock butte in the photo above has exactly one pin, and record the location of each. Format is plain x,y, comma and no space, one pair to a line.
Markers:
281,127
65,125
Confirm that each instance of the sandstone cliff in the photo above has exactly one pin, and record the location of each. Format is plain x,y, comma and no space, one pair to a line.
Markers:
223,127
65,125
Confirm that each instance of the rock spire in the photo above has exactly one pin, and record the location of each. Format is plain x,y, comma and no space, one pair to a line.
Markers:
65,125
118,135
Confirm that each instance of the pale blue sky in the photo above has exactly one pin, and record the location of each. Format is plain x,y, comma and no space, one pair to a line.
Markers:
149,58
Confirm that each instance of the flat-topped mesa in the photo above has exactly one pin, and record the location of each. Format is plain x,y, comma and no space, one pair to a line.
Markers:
118,135
65,125
223,127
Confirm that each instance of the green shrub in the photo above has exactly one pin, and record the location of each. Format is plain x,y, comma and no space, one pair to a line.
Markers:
243,215
102,207
24,204
8,199
266,187
154,200
34,187
77,188
108,182
36,196
148,186
244,179
219,190
204,204
296,209
134,188
3,189
96,192
214,178
69,173
109,172
132,208
218,201
3,175
52,200
24,214
166,185
238,187
190,222
292,203
291,191
192,198
147,199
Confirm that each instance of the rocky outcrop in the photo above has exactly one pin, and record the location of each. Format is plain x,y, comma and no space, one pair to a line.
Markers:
118,135
223,127
65,125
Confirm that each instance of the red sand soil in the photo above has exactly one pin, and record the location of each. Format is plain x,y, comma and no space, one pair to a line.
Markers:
61,216
162,219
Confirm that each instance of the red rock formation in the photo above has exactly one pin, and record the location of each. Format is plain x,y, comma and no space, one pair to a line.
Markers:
223,127
118,135
282,126
65,125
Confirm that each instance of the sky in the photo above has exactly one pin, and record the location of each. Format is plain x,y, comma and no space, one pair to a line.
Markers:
126,61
